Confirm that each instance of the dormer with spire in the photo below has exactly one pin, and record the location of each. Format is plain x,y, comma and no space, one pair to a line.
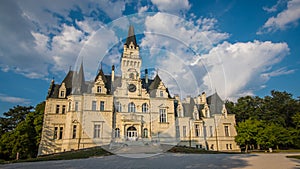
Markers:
99,85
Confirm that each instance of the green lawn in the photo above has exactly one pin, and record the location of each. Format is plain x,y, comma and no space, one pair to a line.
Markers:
297,157
77,154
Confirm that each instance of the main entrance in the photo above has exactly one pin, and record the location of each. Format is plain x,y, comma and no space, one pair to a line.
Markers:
132,133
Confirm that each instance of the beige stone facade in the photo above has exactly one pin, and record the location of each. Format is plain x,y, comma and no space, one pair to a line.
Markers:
113,110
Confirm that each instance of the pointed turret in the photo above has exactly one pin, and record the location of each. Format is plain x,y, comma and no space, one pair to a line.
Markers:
78,82
131,37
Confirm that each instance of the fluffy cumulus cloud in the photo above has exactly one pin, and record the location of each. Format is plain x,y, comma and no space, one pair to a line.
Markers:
172,6
48,34
238,69
284,19
180,41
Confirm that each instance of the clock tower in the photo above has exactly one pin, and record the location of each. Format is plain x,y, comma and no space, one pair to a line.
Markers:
131,64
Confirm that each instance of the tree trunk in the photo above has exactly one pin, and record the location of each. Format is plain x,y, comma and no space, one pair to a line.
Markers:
258,146
277,147
246,150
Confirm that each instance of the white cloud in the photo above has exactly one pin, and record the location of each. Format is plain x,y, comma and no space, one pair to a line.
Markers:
40,42
143,9
278,72
275,7
172,6
283,19
236,69
11,99
175,44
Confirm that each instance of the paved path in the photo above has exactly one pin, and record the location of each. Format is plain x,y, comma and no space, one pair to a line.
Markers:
170,160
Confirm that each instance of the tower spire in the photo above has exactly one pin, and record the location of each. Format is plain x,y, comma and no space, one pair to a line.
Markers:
131,37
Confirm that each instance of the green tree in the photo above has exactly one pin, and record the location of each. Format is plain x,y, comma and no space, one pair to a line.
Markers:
248,132
13,117
25,136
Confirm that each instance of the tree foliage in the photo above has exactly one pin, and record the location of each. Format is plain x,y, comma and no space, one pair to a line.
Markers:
21,131
272,121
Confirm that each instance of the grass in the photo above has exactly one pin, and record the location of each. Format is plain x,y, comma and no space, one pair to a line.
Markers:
192,150
70,155
296,156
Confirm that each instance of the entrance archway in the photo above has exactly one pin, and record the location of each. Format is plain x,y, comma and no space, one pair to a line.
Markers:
132,133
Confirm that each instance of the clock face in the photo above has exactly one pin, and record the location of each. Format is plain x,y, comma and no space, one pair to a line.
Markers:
132,88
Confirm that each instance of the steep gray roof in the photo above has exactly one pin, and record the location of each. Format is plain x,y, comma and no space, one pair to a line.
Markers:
215,104
155,83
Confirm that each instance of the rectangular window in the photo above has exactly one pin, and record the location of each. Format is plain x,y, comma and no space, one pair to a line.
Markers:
97,131
204,131
55,133
211,131
227,146
161,93
177,132
197,130
94,104
57,109
69,106
63,110
101,105
76,106
226,128
98,89
230,146
163,115
61,129
62,94
74,131
184,131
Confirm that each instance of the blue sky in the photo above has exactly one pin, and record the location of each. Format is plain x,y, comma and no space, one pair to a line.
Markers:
236,48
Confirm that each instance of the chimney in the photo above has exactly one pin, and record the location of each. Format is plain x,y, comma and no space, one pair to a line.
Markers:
113,73
146,76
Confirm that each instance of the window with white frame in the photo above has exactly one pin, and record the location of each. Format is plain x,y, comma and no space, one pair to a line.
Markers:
162,116
177,132
99,89
131,107
226,128
197,130
97,130
101,105
74,131
145,108
117,133
94,105
118,107
161,94
184,131
145,134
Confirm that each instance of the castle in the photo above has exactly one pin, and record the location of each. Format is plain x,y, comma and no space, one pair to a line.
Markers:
129,109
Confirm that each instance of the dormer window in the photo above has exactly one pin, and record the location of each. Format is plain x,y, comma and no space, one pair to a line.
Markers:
62,91
62,94
99,89
161,94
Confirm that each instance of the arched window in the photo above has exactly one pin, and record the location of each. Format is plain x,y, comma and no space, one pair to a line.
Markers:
131,107
118,107
117,133
145,133
145,108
